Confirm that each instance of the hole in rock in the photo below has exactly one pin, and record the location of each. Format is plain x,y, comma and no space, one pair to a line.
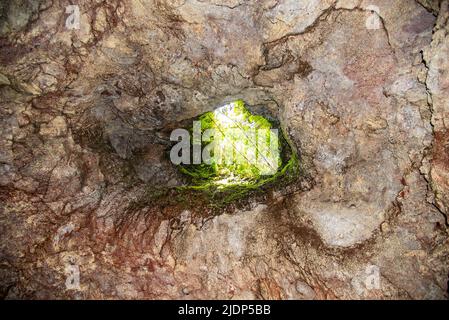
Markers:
233,150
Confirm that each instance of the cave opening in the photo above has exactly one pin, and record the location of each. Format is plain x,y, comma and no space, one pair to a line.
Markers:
235,151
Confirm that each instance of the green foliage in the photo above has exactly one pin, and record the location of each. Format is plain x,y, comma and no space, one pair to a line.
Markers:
223,182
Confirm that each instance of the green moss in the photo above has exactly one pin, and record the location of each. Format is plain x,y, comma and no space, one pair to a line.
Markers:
224,182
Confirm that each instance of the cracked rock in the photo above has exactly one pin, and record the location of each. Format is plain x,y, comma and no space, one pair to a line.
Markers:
360,90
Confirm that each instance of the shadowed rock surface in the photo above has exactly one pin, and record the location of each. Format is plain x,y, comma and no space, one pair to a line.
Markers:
86,183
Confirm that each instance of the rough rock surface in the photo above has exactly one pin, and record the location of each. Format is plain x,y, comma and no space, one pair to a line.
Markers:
86,115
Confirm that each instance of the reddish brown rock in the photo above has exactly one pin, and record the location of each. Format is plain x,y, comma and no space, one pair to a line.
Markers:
88,208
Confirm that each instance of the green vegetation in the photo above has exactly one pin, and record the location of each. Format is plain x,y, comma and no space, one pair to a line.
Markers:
242,161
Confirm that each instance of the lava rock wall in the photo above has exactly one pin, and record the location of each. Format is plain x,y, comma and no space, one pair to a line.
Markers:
361,90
